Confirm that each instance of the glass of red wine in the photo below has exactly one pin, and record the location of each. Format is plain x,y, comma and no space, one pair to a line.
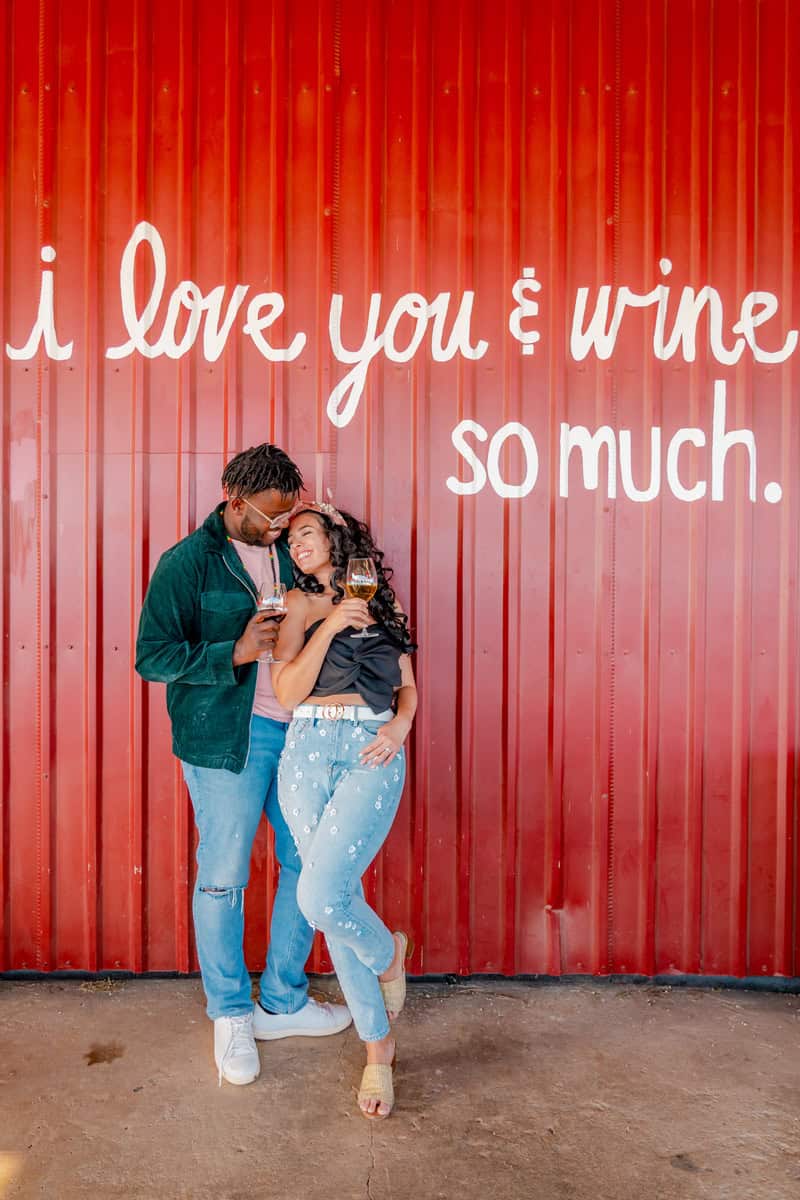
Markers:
272,600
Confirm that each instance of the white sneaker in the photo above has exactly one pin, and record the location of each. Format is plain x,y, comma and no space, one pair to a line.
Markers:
235,1052
312,1020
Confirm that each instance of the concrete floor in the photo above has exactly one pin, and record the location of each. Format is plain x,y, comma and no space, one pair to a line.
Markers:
571,1092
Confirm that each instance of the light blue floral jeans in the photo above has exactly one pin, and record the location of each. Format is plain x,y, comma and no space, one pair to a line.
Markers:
340,813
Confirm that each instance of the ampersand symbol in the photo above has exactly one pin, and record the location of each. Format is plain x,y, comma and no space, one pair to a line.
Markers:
526,307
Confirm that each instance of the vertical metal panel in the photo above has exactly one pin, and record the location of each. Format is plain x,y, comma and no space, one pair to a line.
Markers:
603,772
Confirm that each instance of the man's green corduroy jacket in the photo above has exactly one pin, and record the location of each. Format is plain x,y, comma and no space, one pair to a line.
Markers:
199,600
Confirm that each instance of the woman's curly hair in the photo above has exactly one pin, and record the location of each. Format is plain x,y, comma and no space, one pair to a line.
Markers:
354,540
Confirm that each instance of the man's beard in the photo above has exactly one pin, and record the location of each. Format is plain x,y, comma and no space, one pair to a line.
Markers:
253,537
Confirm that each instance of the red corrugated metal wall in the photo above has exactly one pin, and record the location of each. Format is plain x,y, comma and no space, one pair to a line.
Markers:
604,763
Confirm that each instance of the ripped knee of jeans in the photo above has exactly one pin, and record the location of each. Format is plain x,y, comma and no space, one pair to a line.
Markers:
234,895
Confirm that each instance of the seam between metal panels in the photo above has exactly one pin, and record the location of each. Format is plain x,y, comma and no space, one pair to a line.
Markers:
5,520
794,915
336,167
91,565
747,724
783,914
705,180
39,656
612,676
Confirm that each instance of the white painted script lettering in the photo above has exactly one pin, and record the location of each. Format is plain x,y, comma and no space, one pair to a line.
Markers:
256,322
618,449
344,399
468,487
492,472
526,307
626,467
600,334
44,327
187,298
589,445
694,437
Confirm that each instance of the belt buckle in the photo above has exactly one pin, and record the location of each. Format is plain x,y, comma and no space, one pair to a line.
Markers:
333,712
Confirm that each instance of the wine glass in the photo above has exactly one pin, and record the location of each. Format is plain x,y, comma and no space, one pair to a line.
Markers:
361,583
272,600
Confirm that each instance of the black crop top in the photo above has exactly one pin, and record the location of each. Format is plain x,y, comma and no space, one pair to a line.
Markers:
369,666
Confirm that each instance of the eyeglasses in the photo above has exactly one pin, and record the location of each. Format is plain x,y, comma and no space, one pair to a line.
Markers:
279,522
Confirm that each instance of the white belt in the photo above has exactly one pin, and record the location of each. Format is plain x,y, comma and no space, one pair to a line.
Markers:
341,712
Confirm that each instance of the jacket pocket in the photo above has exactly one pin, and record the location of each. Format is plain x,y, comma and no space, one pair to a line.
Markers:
223,615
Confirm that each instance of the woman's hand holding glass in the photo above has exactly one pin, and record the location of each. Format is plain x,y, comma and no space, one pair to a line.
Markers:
361,580
348,614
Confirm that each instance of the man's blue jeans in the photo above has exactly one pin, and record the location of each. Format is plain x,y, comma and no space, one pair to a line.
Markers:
227,810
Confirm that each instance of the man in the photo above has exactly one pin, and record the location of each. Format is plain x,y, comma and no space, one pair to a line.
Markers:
200,633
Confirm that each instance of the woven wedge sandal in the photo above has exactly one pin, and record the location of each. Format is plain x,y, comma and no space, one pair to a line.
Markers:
394,990
377,1084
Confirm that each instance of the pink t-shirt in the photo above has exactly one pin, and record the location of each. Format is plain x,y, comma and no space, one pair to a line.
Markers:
261,564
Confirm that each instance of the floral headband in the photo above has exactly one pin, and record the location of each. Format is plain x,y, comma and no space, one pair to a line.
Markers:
319,506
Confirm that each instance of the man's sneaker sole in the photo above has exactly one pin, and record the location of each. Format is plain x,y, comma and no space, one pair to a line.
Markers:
294,1032
240,1082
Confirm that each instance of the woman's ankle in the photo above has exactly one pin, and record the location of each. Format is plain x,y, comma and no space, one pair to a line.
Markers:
396,965
381,1051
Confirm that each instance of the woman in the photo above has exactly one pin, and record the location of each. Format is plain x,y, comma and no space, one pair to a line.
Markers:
341,773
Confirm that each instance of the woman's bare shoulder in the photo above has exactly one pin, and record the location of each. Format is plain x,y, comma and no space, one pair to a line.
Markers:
308,606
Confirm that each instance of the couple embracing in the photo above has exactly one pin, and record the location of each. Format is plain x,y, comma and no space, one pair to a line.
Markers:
304,717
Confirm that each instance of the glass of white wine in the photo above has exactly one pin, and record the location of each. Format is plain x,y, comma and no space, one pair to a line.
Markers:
361,583
272,600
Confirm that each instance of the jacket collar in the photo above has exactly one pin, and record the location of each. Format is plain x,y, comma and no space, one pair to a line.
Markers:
214,528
